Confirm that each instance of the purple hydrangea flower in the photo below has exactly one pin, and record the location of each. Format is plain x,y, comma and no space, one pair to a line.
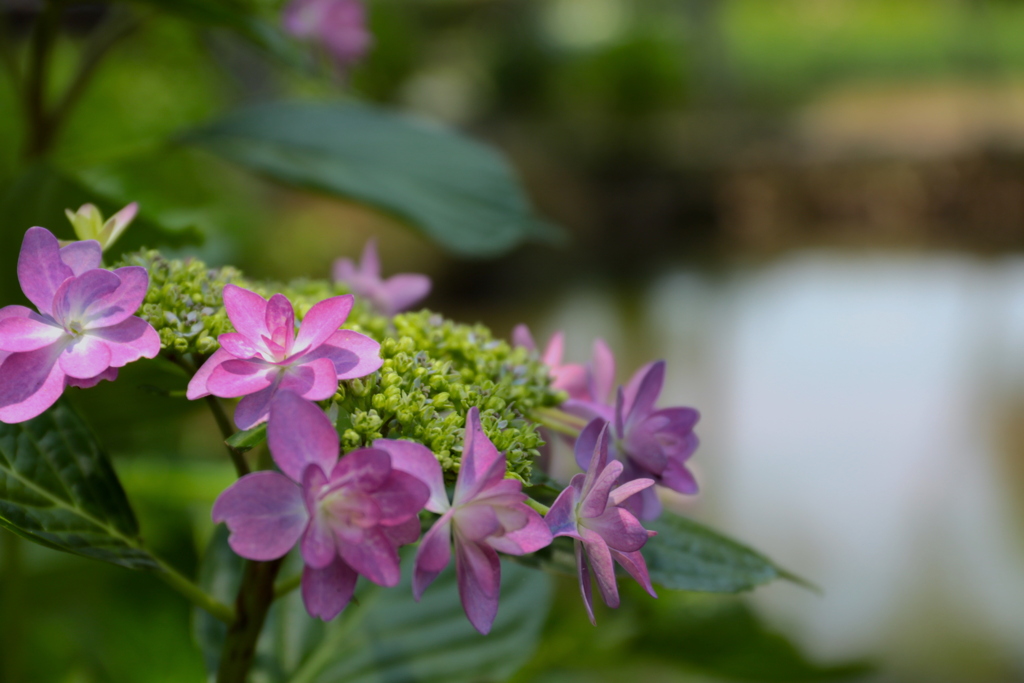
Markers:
486,515
266,354
650,442
390,296
339,26
348,515
592,512
84,329
569,377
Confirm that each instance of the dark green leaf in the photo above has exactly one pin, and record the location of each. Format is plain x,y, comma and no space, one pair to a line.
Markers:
249,439
386,636
460,193
688,556
58,489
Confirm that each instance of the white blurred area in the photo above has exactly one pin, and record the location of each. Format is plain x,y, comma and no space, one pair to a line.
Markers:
863,425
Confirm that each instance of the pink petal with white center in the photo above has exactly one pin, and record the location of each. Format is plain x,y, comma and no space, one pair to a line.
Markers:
322,321
234,378
619,529
120,304
400,497
521,337
596,499
619,495
474,523
78,297
403,291
40,268
315,380
583,569
265,513
374,557
280,322
529,538
326,592
353,354
197,385
82,256
419,461
85,357
247,312
238,345
635,564
299,435
109,375
482,465
30,382
365,469
27,332
254,408
478,571
601,564
128,341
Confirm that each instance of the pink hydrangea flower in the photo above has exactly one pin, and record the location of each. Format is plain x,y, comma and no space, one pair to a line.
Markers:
266,355
486,515
339,26
650,442
591,511
393,295
348,515
568,377
84,328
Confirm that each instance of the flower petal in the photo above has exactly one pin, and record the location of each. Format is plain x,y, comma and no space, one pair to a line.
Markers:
405,532
561,517
620,494
526,539
620,530
128,341
602,372
30,382
403,291
280,322
247,312
326,592
554,351
678,478
433,555
474,523
600,559
234,378
27,332
238,345
78,298
643,390
419,461
299,435
254,408
369,264
587,443
110,375
265,513
85,357
635,564
353,354
364,469
318,543
120,304
82,256
482,465
478,571
315,380
374,557
400,497
521,337
596,499
322,321
197,385
586,589
40,268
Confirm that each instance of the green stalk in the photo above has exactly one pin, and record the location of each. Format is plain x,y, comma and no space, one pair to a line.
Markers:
255,596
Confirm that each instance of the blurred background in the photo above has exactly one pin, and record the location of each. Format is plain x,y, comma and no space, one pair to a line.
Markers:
812,209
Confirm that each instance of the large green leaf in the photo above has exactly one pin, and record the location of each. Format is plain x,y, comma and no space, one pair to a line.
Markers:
688,556
458,192
386,636
58,489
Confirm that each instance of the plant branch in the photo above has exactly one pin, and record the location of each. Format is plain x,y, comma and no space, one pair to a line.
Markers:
194,593
286,586
241,465
255,596
38,123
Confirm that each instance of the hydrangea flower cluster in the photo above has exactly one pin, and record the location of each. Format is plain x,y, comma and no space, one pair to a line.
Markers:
422,404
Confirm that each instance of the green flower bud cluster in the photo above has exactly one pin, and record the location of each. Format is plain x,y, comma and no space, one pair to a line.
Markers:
434,369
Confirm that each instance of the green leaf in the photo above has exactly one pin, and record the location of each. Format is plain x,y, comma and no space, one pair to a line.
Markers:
459,193
58,489
249,439
688,556
385,636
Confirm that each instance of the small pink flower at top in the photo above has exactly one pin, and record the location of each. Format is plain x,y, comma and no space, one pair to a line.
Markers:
570,377
266,355
348,515
338,26
486,515
391,296
84,328
591,511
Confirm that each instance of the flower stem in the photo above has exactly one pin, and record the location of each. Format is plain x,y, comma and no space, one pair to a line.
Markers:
286,586
555,426
255,596
194,593
562,416
241,466
538,506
